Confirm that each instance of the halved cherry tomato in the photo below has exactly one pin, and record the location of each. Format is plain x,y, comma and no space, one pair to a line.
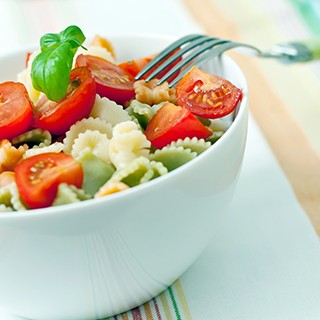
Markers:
15,109
112,81
136,65
57,117
171,123
207,95
39,176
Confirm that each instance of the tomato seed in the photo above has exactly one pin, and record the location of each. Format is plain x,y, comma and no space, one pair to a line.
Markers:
124,79
192,96
39,165
199,98
36,181
37,168
213,95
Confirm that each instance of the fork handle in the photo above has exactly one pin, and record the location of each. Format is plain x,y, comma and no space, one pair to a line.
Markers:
299,51
313,45
296,51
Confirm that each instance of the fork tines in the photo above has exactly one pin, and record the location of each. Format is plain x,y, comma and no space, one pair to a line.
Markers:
188,51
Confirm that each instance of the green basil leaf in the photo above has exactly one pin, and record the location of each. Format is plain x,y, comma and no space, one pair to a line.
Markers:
51,71
73,35
49,41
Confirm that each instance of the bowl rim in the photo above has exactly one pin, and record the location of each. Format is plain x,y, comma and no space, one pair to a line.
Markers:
64,209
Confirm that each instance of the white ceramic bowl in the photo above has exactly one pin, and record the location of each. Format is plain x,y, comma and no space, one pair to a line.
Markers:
101,257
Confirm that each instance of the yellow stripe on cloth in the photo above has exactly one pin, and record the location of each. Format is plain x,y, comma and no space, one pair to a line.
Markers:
183,300
165,305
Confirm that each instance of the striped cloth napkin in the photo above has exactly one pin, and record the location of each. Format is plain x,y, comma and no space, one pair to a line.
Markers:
171,304
264,261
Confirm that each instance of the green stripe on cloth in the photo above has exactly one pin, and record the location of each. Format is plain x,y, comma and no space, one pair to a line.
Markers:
309,10
175,306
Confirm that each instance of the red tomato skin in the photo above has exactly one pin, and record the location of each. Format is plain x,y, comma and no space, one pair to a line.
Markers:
171,123
57,117
54,168
136,65
15,110
202,87
118,95
112,81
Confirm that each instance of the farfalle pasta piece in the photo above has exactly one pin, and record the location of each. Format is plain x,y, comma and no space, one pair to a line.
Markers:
10,198
216,135
54,147
109,111
33,137
110,188
96,171
157,169
173,157
219,127
194,144
83,125
221,124
139,171
5,195
151,93
127,143
69,194
10,155
140,111
4,208
97,142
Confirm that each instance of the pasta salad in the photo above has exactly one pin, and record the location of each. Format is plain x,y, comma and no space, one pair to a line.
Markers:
76,125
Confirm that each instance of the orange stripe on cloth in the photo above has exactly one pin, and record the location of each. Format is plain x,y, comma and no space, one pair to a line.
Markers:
147,311
124,316
298,159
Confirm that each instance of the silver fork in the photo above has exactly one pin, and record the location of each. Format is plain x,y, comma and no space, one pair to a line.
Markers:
196,49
